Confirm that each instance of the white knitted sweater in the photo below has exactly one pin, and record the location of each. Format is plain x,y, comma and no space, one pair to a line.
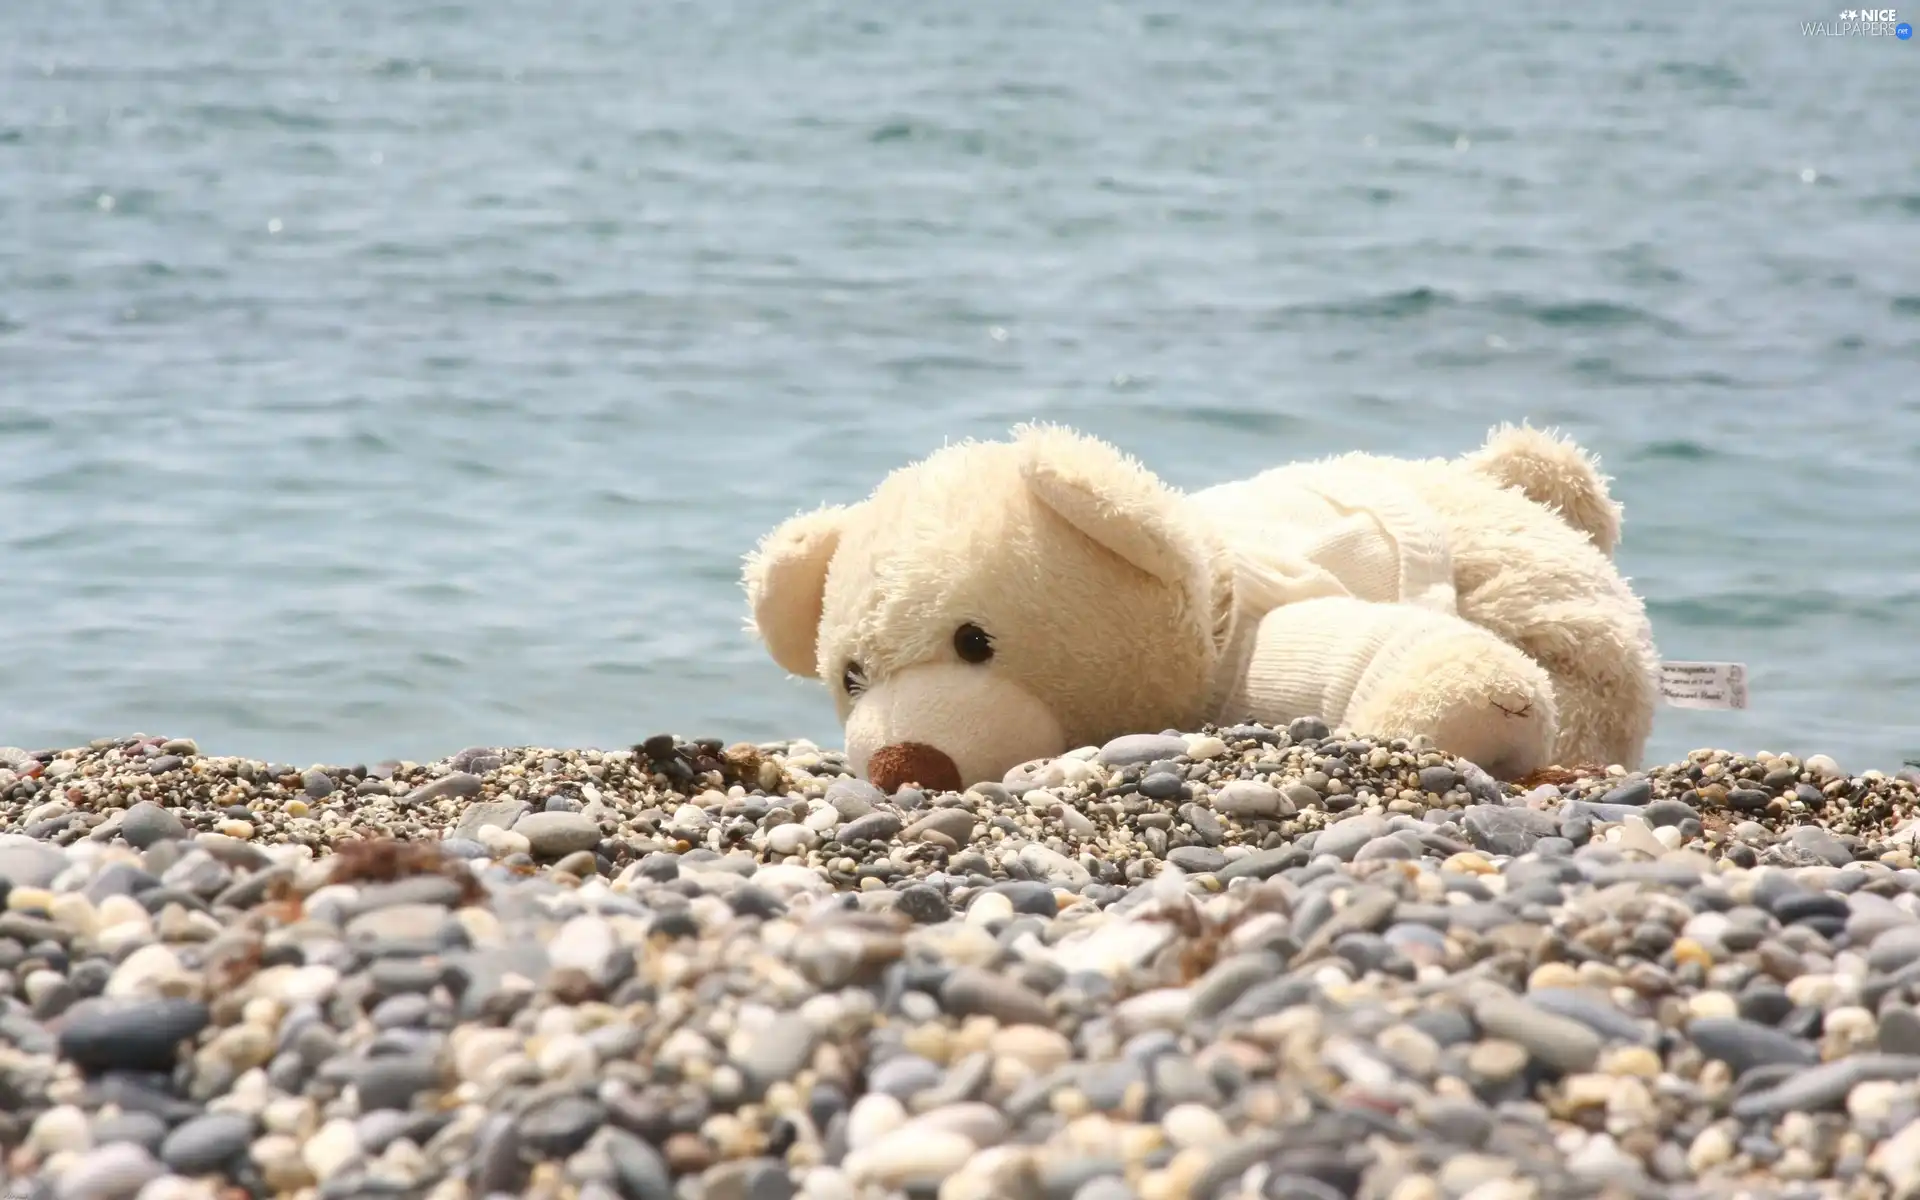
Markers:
1341,527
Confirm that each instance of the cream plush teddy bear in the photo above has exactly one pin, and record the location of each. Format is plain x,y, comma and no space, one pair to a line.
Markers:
1004,601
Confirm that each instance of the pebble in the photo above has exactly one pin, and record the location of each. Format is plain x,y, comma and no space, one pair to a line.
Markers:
1175,966
557,834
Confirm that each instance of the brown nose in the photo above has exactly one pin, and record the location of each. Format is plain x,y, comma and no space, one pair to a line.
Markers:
894,767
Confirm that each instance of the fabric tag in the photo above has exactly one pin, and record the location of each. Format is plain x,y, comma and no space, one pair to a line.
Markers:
1704,684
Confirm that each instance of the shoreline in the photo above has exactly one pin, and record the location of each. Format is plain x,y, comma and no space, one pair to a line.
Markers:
1240,961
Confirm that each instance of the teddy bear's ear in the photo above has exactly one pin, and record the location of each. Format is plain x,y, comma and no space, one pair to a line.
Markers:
786,582
1112,499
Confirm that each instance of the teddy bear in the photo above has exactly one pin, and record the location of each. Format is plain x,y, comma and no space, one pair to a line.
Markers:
1001,602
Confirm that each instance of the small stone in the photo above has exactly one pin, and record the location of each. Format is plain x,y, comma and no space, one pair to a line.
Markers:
1343,839
747,1179
954,824
1500,829
1307,729
854,798
1197,859
207,1143
557,834
1900,1030
146,823
1635,792
116,1171
1135,749
1745,1045
143,1035
1251,800
561,1126
459,785
1563,1044
1195,1126
970,990
924,905
874,827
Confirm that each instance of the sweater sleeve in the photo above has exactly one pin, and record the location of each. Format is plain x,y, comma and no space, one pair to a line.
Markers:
1321,658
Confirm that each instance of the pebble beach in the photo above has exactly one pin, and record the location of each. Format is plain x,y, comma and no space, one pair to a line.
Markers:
1246,962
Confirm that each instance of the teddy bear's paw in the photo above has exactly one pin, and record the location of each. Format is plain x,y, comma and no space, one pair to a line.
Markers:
1477,697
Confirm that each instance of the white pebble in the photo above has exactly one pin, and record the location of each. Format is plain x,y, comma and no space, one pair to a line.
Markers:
1898,1158
1637,836
568,1059
872,1118
502,842
791,839
293,986
1195,1126
826,1183
331,1148
988,907
1201,746
117,1169
910,1158
145,972
116,911
74,913
62,1128
1161,1008
585,944
1823,767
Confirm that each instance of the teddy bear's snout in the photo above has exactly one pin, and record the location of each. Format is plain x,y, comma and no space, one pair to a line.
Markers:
894,767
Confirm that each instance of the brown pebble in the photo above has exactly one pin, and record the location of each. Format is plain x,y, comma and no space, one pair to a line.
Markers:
687,1153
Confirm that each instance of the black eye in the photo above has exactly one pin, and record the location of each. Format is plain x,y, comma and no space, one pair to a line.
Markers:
853,679
972,644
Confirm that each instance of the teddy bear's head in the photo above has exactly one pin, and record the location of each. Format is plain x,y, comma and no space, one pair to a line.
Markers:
994,603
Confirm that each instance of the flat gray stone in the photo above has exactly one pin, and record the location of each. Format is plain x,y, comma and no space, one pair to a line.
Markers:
558,834
1133,749
1560,1042
1745,1045
1825,1087
501,814
1500,829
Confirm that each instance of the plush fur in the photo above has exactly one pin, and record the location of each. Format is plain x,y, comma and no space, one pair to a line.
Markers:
1471,600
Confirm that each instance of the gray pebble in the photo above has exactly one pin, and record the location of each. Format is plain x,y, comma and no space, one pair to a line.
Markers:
1744,1045
925,905
1307,729
557,834
115,1171
1499,829
207,1143
874,827
854,798
1196,859
1135,748
459,785
970,990
1564,1044
1249,799
561,1126
1635,792
1343,839
1817,1089
146,823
